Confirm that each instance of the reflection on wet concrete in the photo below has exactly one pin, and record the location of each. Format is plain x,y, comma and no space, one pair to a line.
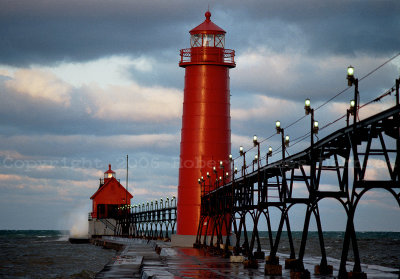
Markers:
173,262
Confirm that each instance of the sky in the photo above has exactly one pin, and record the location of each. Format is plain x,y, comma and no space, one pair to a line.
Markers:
83,83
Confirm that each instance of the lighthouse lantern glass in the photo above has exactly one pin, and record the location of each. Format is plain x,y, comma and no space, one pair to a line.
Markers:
208,40
220,40
195,40
109,174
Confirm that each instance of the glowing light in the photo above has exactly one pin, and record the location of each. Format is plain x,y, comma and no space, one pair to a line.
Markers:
350,71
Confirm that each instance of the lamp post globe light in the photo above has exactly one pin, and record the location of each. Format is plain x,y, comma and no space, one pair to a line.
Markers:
281,131
255,142
350,75
315,127
287,141
278,127
307,106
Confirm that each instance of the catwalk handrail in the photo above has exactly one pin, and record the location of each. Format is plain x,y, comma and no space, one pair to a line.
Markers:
319,144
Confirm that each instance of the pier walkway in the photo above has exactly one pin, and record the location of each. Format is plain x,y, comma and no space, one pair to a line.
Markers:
139,258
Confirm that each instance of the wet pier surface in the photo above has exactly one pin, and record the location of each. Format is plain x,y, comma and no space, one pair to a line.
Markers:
155,259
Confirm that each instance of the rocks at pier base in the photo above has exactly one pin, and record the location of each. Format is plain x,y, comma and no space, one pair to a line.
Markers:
226,254
197,245
323,270
250,263
273,269
291,263
297,270
272,266
259,255
272,260
304,274
236,259
356,275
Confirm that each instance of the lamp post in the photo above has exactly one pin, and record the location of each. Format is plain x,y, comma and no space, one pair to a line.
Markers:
221,166
209,182
285,140
233,166
243,153
216,176
351,80
314,124
269,154
350,111
255,160
256,143
202,189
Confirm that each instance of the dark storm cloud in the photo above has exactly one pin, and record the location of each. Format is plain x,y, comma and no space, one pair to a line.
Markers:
338,27
46,32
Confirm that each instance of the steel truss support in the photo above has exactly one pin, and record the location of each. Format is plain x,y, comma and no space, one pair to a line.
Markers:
272,185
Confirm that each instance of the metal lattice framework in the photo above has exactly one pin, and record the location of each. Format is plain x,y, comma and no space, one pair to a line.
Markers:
152,220
346,153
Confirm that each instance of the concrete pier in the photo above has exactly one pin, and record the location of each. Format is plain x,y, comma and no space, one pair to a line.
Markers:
140,258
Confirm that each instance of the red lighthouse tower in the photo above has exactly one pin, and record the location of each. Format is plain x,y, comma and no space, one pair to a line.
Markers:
206,134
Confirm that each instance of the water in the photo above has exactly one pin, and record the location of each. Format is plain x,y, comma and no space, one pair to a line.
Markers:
48,254
375,248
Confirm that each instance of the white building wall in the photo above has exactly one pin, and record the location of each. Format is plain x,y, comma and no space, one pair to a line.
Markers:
96,227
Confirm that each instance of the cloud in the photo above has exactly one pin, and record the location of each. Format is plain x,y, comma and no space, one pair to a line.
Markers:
49,146
37,100
50,32
5,73
262,107
295,75
9,177
40,85
135,103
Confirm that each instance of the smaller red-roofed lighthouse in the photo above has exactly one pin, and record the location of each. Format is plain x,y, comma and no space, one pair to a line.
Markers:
206,134
109,198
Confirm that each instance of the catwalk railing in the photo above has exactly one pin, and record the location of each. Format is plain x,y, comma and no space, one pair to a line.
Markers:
151,220
346,155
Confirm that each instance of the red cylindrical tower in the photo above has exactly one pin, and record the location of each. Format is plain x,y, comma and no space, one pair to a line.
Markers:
206,134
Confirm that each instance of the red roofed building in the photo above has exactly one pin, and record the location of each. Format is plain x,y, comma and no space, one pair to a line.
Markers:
109,197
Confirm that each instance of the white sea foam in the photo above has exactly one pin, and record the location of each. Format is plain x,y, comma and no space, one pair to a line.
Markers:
77,221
